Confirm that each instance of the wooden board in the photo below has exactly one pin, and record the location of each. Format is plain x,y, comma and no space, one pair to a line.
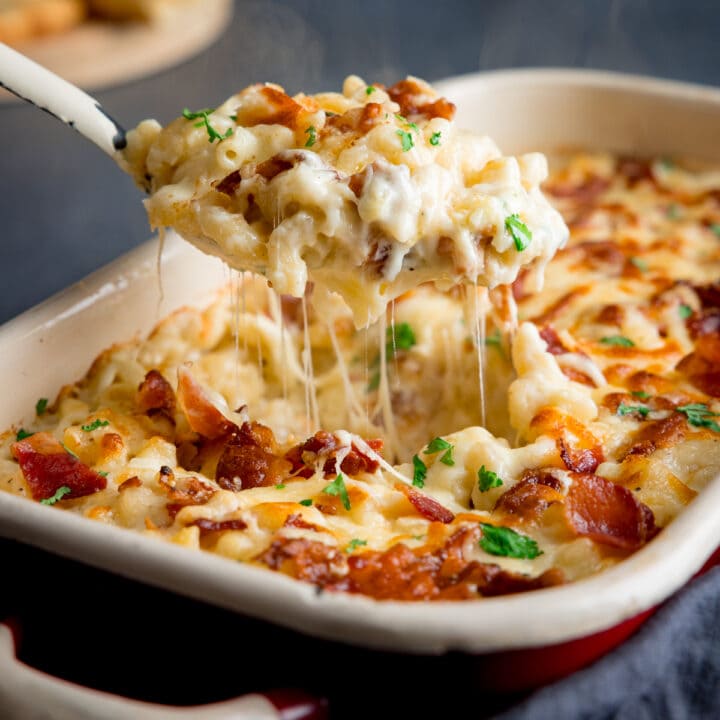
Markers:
98,54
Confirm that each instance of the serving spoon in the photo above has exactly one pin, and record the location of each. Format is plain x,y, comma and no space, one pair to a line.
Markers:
63,100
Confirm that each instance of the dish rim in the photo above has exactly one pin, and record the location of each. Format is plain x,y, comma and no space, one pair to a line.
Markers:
534,619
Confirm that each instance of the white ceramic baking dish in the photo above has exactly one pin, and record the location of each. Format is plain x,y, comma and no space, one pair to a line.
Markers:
56,341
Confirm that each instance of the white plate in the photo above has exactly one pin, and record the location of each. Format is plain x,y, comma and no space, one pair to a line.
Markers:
55,343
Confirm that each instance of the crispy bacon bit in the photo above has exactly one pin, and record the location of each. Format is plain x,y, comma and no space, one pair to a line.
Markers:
608,513
131,482
529,498
280,163
208,526
283,110
552,340
709,294
704,323
361,120
659,434
582,193
702,367
204,418
155,394
427,507
250,459
582,460
307,560
400,573
188,491
47,466
296,520
304,457
611,315
634,170
230,183
412,99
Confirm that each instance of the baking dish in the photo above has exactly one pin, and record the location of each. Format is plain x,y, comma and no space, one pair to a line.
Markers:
522,110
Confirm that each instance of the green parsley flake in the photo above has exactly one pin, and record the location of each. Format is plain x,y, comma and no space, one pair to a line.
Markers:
639,263
618,340
280,486
41,406
640,394
494,339
354,544
673,211
22,434
306,503
311,132
406,139
370,89
519,231
337,487
624,409
437,445
503,541
103,473
419,472
435,138
94,425
374,382
488,479
203,116
60,493
715,228
399,337
685,311
699,414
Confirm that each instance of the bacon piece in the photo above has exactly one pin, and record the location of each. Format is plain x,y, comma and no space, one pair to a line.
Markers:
155,394
608,513
709,294
704,323
250,459
204,418
582,460
702,367
131,482
428,507
412,99
296,520
47,466
230,183
360,120
307,560
208,526
283,110
305,456
191,491
280,163
582,193
634,170
529,498
659,434
552,340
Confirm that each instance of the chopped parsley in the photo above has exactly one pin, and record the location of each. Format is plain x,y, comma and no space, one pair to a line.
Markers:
94,425
280,486
685,311
311,132
406,140
699,415
488,479
41,406
103,473
519,231
438,445
337,487
60,493
354,544
498,540
617,340
673,211
494,339
419,472
435,138
374,382
639,263
640,394
624,409
400,337
715,227
22,434
370,89
306,503
203,116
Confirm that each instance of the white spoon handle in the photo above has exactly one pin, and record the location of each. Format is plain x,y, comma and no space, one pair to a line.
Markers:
32,82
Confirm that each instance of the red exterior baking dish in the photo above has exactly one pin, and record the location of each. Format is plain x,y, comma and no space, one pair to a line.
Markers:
539,635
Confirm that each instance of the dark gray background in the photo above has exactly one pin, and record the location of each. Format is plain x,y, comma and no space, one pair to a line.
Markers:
65,210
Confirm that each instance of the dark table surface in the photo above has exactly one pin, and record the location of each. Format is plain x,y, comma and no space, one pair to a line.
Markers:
65,210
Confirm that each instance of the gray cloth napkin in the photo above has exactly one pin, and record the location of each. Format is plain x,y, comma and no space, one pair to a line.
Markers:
669,669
